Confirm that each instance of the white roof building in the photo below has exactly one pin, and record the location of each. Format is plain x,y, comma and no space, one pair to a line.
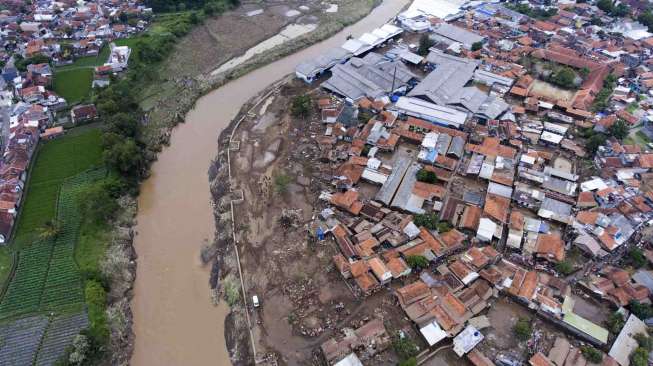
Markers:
350,360
486,229
432,333
431,112
625,344
467,340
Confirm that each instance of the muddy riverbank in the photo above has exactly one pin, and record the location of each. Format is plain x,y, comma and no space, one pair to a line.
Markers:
174,319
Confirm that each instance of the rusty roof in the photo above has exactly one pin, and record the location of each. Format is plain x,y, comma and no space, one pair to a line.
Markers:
497,207
551,246
436,246
460,269
359,267
397,266
452,238
529,285
587,217
471,217
366,282
540,360
413,292
454,304
477,358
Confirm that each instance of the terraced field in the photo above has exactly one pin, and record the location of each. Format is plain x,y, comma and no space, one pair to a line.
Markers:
47,277
59,335
39,340
42,308
21,340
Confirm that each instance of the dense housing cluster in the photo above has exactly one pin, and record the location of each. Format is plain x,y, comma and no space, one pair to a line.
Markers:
38,38
481,151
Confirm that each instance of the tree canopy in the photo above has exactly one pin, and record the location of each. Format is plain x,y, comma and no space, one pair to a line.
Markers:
619,129
181,5
564,77
301,106
425,42
426,176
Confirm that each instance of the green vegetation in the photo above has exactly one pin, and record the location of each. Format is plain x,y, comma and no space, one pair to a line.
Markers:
564,77
608,6
181,5
301,106
591,354
636,258
57,160
231,291
595,20
73,85
96,302
409,362
425,42
477,46
429,221
281,183
642,311
639,357
644,341
619,129
22,63
47,277
426,176
615,322
443,227
523,329
638,138
564,267
632,107
536,13
404,347
50,230
594,142
417,262
646,18
602,98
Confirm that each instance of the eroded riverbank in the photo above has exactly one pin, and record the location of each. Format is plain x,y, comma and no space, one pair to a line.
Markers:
174,320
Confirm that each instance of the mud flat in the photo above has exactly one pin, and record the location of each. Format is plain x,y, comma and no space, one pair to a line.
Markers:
174,319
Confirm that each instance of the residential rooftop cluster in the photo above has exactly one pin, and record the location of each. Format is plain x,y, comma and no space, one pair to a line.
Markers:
37,37
476,153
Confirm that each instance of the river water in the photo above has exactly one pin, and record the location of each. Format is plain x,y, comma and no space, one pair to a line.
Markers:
174,320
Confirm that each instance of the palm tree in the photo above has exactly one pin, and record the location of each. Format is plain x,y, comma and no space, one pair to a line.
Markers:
50,229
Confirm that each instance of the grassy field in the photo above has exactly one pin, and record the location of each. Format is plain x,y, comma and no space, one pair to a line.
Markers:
73,84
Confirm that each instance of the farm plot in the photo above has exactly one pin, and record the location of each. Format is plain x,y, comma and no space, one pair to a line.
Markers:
20,340
24,292
57,160
47,277
59,335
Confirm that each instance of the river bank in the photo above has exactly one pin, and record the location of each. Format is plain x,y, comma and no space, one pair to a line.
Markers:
271,342
174,220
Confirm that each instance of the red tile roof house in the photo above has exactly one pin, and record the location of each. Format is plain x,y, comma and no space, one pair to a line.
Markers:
83,113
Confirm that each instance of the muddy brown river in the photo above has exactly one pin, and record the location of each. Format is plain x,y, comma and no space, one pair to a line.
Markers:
174,320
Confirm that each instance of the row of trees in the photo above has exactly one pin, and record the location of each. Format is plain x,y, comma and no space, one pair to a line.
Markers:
608,6
536,13
646,18
182,5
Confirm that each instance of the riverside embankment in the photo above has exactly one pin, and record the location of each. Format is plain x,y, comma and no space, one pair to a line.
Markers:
174,319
